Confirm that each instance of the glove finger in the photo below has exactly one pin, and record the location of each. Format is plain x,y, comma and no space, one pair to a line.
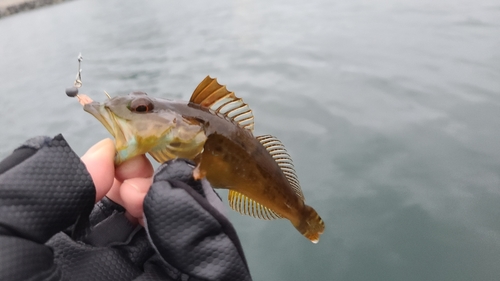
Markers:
182,170
213,198
188,231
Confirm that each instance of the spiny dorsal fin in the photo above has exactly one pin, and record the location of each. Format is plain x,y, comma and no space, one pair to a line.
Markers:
247,206
219,100
281,156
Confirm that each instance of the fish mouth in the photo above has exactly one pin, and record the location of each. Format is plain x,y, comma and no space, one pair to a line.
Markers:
115,126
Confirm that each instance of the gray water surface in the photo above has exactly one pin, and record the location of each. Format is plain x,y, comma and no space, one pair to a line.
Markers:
390,110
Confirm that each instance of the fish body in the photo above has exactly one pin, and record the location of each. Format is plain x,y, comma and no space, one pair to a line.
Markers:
215,130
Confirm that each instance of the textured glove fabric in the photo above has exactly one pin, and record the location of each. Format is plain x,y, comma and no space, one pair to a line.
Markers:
46,232
188,231
111,249
44,188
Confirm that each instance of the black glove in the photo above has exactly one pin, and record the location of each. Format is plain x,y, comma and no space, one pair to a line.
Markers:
46,232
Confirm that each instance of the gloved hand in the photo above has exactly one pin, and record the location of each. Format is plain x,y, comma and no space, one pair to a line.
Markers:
46,232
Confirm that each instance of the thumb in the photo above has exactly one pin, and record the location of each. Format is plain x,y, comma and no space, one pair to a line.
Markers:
99,161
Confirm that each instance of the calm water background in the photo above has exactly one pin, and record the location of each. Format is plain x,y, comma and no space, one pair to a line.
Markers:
390,109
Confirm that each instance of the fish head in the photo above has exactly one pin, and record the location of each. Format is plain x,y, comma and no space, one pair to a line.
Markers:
141,124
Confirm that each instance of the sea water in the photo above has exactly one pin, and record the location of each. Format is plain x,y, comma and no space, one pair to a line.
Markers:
390,110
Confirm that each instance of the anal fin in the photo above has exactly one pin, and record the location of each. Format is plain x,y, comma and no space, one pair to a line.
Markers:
250,207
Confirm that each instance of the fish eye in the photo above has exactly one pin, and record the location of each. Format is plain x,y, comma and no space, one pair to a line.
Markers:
141,105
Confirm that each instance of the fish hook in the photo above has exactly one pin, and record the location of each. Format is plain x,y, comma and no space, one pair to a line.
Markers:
78,79
73,91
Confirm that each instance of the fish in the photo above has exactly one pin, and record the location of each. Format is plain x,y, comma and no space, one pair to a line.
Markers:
214,129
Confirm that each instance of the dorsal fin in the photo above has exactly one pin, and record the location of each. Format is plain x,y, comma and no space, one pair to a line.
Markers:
247,206
219,100
283,159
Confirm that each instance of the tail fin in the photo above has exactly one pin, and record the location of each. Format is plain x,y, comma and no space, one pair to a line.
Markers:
310,225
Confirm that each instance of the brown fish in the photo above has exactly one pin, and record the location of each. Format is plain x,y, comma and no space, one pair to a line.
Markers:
215,130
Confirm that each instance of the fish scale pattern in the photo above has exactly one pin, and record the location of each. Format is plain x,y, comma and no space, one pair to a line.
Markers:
178,219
